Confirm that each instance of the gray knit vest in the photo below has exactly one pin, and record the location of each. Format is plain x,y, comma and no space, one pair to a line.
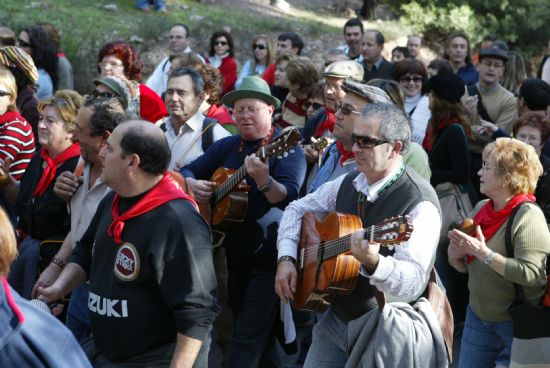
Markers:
399,199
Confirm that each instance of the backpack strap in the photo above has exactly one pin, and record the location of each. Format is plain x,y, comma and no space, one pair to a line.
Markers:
208,132
482,111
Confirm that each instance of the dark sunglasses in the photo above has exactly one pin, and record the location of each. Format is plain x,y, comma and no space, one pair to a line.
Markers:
23,43
364,141
346,109
259,47
223,43
410,79
98,94
313,105
4,93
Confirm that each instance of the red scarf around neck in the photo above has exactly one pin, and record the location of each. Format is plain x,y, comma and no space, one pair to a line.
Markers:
48,175
429,138
327,124
491,220
344,155
164,191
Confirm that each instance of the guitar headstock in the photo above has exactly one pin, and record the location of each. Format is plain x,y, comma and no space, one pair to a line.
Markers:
320,143
283,143
391,231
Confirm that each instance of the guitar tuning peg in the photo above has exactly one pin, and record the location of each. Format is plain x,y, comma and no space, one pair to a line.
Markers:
279,157
285,154
292,151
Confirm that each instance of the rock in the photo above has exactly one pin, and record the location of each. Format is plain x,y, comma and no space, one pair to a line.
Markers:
196,18
110,7
136,39
280,4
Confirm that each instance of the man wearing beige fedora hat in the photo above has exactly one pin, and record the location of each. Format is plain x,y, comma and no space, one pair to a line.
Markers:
251,245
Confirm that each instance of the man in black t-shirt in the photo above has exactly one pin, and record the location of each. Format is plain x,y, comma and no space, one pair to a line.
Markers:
148,257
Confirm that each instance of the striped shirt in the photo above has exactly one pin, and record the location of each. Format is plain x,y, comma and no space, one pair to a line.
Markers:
16,142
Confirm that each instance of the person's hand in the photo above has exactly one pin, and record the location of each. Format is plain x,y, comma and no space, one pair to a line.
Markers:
285,281
47,278
66,185
470,104
312,155
486,128
5,177
201,189
257,169
474,246
365,252
49,295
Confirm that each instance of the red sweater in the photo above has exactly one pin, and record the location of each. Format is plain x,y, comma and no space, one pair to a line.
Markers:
151,106
16,142
269,75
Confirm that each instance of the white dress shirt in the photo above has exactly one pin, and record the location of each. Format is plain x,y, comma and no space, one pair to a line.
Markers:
402,275
186,144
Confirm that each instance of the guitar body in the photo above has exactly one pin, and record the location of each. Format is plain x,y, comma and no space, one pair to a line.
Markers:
232,208
320,281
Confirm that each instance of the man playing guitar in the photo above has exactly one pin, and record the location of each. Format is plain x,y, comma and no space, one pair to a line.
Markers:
251,245
382,187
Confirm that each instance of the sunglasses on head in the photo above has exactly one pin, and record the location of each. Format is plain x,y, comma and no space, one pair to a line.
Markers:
313,105
222,43
364,141
4,93
259,47
346,109
410,79
23,43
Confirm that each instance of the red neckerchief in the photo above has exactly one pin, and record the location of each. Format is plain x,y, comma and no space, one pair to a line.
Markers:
166,190
264,142
48,175
344,155
429,138
327,124
490,220
10,116
11,301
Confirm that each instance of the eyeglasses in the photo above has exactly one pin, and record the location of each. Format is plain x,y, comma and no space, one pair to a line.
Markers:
313,105
97,94
259,47
222,43
110,64
4,93
346,109
23,43
364,141
486,167
410,79
489,64
335,87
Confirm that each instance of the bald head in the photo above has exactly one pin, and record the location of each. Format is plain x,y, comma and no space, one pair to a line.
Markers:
148,142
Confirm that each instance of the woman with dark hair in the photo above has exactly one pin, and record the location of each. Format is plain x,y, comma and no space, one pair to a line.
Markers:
36,42
220,55
119,59
436,66
411,74
22,67
64,67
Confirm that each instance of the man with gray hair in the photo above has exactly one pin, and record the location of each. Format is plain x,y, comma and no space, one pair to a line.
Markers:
381,187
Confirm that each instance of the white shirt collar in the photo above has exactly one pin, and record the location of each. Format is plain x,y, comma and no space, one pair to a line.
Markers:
194,122
371,191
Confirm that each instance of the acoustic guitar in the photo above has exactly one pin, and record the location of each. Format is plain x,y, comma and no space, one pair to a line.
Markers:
325,265
229,201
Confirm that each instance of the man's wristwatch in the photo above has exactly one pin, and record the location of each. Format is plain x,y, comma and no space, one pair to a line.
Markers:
286,258
267,187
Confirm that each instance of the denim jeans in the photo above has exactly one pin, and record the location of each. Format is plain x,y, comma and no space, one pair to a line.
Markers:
329,345
78,319
484,343
143,4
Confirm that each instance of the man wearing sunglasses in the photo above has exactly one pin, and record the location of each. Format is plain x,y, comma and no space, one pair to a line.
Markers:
338,159
381,187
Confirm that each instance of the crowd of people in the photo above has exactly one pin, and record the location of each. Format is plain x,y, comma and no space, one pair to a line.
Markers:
159,217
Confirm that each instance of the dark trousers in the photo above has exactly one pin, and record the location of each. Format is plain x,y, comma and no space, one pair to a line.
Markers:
255,307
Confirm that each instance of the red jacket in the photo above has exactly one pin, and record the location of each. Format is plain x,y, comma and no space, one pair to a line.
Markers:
151,106
269,75
228,70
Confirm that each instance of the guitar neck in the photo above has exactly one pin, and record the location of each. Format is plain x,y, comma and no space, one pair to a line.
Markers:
225,188
341,245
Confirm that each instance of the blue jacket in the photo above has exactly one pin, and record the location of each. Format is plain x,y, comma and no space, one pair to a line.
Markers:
469,74
30,337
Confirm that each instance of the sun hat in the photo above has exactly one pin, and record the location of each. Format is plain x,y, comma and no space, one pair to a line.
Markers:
15,57
118,86
251,87
344,69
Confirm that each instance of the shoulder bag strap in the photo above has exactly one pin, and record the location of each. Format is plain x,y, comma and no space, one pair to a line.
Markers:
482,111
